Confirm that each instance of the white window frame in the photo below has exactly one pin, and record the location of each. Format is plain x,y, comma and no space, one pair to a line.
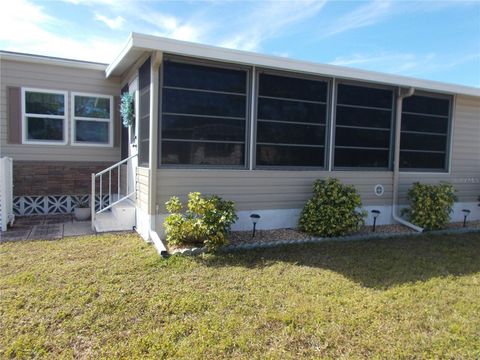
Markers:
25,139
75,118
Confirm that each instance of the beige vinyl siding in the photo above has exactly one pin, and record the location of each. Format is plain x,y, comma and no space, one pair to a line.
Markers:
265,189
25,74
142,188
465,158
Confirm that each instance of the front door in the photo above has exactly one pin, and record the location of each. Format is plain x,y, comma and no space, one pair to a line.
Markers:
133,148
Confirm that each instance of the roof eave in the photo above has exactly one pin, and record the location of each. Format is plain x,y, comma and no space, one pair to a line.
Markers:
139,43
48,60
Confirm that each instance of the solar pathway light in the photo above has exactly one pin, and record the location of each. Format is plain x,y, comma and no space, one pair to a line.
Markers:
375,214
255,219
466,212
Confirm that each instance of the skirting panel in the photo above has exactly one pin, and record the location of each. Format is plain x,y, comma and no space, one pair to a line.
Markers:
52,204
288,218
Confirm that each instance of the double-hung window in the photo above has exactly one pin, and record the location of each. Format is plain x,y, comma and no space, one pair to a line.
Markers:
92,119
363,122
425,133
44,114
204,112
291,121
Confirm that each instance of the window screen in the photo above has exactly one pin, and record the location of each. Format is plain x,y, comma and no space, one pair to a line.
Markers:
424,133
363,124
291,118
204,111
144,114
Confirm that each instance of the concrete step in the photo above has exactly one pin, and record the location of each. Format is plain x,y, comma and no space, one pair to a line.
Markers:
121,217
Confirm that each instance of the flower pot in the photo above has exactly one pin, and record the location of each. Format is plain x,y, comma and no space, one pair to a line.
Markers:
81,214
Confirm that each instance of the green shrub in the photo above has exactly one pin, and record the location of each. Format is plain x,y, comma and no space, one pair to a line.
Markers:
431,205
333,209
207,220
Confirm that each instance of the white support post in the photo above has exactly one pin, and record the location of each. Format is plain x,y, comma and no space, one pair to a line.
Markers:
6,193
157,58
92,202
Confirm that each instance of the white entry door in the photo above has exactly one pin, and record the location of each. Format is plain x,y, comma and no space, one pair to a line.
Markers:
133,148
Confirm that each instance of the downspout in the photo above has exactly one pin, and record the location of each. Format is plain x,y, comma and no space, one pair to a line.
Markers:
153,152
402,94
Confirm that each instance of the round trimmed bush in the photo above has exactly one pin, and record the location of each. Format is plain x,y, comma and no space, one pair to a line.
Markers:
431,205
334,210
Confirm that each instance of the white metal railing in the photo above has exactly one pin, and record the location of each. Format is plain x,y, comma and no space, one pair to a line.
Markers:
108,173
6,193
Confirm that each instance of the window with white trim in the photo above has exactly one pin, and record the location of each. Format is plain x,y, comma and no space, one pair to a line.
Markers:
44,116
92,118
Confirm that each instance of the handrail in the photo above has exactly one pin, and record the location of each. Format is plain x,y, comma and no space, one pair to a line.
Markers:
115,165
100,176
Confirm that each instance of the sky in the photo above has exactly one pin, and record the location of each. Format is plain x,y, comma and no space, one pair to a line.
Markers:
436,40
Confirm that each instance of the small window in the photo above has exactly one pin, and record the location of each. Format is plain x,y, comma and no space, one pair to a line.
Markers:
204,112
44,116
425,132
363,123
92,119
291,121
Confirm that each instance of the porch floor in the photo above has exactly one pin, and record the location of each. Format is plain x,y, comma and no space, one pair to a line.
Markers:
46,227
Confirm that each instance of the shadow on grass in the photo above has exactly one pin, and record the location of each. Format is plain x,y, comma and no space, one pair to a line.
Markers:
375,263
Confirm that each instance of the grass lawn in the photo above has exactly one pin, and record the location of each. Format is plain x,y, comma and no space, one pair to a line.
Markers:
112,296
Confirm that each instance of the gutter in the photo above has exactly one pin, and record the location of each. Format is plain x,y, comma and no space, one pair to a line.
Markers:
402,94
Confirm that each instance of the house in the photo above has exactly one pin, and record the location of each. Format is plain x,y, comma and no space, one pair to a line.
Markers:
252,128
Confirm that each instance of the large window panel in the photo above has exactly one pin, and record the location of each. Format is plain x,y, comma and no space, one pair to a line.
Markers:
361,157
291,118
202,128
422,160
191,76
277,155
292,111
293,88
202,153
425,133
359,95
347,136
421,123
182,101
285,133
44,117
363,123
361,117
204,111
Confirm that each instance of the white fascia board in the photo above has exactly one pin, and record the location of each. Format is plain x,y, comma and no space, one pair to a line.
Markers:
46,60
115,64
142,42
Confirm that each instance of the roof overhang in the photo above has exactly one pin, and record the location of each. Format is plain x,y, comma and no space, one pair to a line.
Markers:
138,44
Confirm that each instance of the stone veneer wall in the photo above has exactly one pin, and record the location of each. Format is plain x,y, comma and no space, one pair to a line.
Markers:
57,178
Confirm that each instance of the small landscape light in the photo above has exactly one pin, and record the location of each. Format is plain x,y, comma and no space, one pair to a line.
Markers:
375,214
255,218
466,212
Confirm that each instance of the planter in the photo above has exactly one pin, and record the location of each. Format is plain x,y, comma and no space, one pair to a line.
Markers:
81,214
